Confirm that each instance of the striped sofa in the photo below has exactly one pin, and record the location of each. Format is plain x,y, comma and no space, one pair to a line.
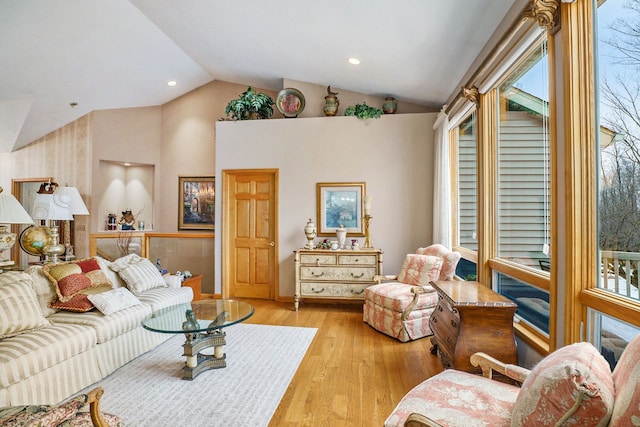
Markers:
53,354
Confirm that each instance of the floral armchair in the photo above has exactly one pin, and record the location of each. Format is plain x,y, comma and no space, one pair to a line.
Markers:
573,386
72,413
400,306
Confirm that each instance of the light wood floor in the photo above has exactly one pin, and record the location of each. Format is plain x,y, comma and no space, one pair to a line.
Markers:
351,375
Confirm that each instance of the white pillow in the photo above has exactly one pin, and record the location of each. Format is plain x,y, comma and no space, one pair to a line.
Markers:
173,281
138,273
114,300
19,308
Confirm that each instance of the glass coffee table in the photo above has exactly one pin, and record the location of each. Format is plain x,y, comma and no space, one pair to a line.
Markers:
201,322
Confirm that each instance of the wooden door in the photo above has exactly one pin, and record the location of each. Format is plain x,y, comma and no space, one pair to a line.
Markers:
249,249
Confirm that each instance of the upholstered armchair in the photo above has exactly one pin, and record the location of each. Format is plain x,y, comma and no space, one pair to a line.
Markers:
573,386
400,306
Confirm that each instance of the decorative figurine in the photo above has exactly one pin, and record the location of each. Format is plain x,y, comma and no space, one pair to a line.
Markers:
311,232
127,220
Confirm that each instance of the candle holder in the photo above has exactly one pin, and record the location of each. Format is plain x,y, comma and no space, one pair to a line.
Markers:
365,220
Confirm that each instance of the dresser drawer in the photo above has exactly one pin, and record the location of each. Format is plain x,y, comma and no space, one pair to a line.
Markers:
333,290
319,259
357,259
353,274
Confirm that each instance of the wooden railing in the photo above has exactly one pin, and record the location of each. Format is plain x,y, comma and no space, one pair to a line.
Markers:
620,272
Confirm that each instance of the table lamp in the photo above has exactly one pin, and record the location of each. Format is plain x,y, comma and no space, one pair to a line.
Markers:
77,207
52,207
11,212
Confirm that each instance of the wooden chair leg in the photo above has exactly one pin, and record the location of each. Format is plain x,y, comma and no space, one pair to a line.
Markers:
93,399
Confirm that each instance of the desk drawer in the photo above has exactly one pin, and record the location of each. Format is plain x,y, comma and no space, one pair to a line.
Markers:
319,259
333,290
357,259
351,274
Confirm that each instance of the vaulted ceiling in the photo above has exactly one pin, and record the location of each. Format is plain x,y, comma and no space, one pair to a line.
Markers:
61,59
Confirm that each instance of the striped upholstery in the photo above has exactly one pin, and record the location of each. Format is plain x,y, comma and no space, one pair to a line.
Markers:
126,347
138,273
45,291
397,296
57,383
106,327
389,321
19,308
166,297
27,354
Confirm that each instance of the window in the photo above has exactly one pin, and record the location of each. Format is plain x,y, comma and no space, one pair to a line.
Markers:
468,184
533,303
523,163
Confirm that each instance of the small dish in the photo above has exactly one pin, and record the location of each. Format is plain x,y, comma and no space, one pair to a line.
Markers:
290,102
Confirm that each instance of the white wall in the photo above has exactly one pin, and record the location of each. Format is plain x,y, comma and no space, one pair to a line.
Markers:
392,154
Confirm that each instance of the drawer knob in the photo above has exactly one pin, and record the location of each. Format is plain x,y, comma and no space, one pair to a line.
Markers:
355,292
357,277
454,323
317,262
317,275
433,319
319,291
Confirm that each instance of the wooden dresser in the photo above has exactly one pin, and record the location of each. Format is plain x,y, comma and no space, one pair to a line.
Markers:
469,318
341,274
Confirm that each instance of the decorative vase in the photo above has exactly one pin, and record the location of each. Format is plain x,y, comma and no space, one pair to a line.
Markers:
390,105
311,232
334,245
341,234
331,103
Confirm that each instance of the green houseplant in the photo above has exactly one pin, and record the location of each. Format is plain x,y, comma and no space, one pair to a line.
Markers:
363,111
250,105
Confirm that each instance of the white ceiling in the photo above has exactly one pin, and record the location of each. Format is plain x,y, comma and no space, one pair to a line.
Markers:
104,54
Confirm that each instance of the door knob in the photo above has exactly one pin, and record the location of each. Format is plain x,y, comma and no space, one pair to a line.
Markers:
272,244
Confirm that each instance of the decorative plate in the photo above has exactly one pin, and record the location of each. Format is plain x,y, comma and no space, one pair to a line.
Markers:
290,102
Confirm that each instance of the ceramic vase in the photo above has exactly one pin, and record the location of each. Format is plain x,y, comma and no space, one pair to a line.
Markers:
331,104
311,232
341,234
390,105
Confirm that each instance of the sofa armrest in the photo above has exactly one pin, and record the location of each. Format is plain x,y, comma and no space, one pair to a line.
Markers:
419,420
489,364
382,278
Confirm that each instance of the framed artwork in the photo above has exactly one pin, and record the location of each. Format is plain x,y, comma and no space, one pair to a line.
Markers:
340,203
197,203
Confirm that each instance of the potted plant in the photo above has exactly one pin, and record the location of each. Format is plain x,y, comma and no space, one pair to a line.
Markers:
363,111
250,105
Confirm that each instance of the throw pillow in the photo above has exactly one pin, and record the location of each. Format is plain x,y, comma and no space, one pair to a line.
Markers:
72,277
449,259
19,308
41,415
114,300
419,269
138,273
626,377
78,303
571,386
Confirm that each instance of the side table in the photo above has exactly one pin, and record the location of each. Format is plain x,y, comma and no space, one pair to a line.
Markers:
195,283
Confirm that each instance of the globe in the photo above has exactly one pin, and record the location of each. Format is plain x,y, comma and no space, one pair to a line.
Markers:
34,238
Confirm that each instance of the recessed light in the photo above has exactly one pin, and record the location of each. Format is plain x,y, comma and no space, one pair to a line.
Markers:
126,164
354,61
172,83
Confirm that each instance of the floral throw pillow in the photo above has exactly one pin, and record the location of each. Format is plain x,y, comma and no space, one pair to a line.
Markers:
572,386
419,269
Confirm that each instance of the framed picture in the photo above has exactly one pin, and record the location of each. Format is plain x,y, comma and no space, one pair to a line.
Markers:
340,203
197,203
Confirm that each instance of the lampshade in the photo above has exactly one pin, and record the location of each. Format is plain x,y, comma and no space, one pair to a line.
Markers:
11,211
77,205
52,207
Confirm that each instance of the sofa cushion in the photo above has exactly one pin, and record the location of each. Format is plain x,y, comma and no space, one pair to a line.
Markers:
113,277
70,278
138,273
626,377
161,298
44,289
19,308
574,384
106,327
397,296
449,259
420,269
27,354
113,300
453,398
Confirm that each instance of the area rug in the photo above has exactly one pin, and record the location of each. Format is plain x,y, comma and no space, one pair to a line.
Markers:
261,361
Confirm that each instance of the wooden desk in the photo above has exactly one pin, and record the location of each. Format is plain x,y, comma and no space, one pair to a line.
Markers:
469,318
195,283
